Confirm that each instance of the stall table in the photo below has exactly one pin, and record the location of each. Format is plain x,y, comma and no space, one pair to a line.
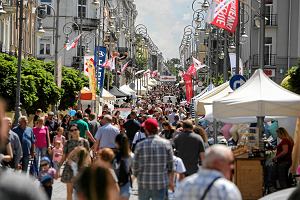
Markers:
249,176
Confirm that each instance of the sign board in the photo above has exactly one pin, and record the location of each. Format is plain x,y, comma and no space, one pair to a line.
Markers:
99,59
167,78
270,72
236,81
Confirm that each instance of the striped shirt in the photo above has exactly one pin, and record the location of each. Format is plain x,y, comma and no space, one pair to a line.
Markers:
193,187
153,160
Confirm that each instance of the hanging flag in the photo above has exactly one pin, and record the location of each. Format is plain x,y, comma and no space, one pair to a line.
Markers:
73,44
86,64
191,70
125,66
113,63
188,87
154,73
107,64
224,14
197,64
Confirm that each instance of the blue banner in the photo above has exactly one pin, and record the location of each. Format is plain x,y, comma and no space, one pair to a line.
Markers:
99,59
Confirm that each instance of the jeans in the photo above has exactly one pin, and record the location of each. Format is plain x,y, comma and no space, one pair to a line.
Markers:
146,194
40,152
125,190
25,163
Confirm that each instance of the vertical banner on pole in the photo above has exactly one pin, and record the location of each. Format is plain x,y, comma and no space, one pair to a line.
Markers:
89,71
100,55
188,87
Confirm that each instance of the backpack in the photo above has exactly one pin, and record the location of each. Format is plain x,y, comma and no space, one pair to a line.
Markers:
120,168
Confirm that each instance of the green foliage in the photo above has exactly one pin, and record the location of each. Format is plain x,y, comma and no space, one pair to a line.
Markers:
38,89
218,80
291,82
72,82
171,65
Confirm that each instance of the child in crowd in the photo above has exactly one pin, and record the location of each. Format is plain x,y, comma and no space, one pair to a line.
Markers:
59,137
57,153
46,175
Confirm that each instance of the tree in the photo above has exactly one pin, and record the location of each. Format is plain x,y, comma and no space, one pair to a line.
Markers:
72,82
172,66
291,82
38,89
37,85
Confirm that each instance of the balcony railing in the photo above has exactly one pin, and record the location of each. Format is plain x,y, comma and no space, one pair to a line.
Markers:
271,20
88,24
269,59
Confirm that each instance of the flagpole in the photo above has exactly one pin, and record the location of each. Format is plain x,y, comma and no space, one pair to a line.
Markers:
237,42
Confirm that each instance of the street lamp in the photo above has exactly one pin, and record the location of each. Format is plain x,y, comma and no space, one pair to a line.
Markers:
96,3
40,32
2,11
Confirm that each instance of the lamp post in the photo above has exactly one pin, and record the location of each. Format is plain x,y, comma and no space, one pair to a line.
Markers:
18,88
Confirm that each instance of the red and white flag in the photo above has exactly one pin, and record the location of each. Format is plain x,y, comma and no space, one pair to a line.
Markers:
107,64
197,64
191,70
154,74
124,67
73,44
224,14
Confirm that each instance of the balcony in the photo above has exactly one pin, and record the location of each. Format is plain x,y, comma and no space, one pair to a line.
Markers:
88,24
269,60
271,20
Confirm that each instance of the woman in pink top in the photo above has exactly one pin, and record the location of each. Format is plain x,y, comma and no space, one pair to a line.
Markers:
57,153
42,142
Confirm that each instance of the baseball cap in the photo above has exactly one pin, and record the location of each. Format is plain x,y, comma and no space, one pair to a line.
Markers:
150,124
45,159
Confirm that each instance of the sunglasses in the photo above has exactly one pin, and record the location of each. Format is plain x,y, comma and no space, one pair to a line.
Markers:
44,164
72,130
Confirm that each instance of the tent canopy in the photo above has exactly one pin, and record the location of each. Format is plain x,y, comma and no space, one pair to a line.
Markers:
207,99
118,93
108,96
259,96
126,89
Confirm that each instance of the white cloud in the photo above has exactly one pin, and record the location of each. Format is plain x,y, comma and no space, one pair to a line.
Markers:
165,20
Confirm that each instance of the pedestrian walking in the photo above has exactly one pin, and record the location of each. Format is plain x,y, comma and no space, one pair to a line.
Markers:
213,180
132,126
52,125
106,135
75,141
82,126
27,140
189,147
153,164
46,176
122,164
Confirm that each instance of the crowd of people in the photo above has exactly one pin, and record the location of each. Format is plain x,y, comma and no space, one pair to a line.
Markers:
99,157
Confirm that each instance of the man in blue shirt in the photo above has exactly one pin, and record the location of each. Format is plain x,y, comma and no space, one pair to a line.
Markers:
27,140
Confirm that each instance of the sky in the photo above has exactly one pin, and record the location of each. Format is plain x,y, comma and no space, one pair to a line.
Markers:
165,21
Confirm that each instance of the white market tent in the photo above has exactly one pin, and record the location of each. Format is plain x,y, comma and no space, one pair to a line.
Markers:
207,89
107,96
127,90
259,96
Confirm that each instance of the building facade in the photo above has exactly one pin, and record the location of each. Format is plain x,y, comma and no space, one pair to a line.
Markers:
9,28
108,23
282,41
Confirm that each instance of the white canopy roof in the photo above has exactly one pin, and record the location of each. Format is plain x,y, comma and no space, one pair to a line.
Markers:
259,96
126,89
107,95
207,100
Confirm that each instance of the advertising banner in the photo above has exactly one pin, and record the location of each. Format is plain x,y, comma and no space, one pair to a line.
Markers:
89,71
188,87
99,59
224,14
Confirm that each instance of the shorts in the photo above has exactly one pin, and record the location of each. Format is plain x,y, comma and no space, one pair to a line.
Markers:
125,190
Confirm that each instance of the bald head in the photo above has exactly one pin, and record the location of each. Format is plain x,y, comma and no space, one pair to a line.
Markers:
219,157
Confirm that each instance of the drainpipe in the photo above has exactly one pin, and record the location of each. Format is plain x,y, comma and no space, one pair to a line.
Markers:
289,36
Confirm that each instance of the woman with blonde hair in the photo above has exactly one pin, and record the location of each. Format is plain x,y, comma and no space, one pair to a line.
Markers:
282,160
68,172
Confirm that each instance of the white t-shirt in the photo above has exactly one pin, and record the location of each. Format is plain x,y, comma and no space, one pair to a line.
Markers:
138,136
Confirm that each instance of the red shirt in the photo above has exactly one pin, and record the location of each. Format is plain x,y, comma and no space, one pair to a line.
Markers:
287,157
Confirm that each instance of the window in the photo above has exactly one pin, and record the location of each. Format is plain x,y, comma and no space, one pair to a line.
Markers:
49,2
45,46
268,51
82,8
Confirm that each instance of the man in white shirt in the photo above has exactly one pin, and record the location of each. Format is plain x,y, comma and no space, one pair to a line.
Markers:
213,180
106,134
171,116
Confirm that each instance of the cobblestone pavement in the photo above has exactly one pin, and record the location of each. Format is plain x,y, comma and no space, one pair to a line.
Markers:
60,191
